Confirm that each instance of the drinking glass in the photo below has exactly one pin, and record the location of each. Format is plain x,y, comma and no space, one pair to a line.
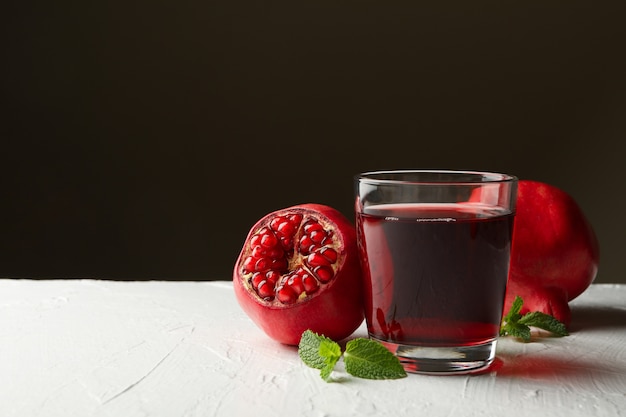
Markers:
435,248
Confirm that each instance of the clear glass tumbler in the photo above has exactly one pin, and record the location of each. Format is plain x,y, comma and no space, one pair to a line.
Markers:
435,249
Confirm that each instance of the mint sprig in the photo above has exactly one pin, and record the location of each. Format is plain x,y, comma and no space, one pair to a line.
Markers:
518,325
363,358
319,352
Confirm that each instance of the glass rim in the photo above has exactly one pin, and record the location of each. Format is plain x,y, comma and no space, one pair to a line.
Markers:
453,177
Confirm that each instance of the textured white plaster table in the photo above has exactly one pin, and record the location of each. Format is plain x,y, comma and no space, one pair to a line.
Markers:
126,349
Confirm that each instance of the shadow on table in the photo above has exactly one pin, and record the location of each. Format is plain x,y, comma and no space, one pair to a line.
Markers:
590,371
596,317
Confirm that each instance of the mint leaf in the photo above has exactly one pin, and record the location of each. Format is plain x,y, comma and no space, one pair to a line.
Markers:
309,349
516,330
331,352
516,325
365,358
513,315
545,322
319,352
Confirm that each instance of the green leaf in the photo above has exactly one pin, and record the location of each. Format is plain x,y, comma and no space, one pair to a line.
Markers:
516,330
331,352
513,315
319,352
545,322
365,358
326,371
309,349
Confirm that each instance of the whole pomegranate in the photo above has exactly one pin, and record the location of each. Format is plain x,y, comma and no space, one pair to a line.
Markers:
554,253
298,270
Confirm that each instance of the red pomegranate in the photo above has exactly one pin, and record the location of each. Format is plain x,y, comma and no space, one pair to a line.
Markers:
555,252
299,270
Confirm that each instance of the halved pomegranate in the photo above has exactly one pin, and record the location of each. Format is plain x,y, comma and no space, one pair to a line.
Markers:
299,270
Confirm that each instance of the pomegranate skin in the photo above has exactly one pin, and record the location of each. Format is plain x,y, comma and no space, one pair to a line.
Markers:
554,245
335,309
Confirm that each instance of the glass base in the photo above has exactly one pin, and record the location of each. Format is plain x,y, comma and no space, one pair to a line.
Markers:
443,360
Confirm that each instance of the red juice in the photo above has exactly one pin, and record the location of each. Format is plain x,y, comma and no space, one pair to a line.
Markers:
435,274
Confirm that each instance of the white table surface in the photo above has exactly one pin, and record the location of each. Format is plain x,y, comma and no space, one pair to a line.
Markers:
125,349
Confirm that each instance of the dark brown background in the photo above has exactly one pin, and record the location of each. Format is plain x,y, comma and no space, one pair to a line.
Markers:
141,140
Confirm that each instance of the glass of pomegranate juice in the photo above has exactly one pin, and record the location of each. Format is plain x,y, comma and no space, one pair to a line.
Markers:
435,248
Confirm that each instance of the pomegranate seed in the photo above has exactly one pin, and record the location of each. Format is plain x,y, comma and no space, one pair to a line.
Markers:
305,244
313,248
286,228
255,240
278,264
257,252
311,226
310,284
324,273
305,240
276,252
275,222
272,277
269,240
287,243
256,280
315,259
286,295
265,291
295,218
260,252
248,264
295,282
329,253
318,236
261,265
